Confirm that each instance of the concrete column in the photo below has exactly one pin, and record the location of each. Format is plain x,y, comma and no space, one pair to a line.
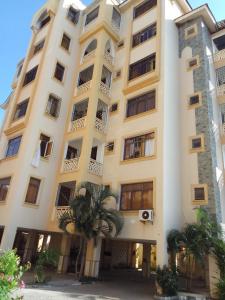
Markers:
64,251
8,238
93,258
161,252
146,270
214,276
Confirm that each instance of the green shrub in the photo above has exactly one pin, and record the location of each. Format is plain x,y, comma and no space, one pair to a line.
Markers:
221,288
10,274
167,279
47,260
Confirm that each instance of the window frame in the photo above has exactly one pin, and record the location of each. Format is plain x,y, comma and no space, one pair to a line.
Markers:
7,148
199,149
143,31
139,65
87,22
37,194
75,17
107,151
197,65
150,181
136,98
145,11
199,201
65,35
14,119
195,105
8,188
37,48
53,96
48,146
135,140
28,80
191,35
55,71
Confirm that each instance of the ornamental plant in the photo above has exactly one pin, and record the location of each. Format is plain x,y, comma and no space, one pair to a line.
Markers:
11,272
167,281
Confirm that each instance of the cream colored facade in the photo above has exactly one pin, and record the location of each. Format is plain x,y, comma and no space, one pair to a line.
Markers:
174,167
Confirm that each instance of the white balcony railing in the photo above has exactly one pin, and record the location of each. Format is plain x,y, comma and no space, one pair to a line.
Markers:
115,27
108,57
89,56
71,164
104,89
78,124
100,125
95,167
60,210
84,87
221,90
219,56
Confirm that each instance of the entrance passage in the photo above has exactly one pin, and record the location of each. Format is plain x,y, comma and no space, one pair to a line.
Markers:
121,257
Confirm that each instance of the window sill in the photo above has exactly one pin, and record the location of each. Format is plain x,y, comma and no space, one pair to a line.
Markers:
31,205
151,38
51,117
9,158
137,159
143,114
199,202
198,150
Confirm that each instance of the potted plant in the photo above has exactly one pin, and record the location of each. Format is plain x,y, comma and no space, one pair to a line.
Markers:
166,283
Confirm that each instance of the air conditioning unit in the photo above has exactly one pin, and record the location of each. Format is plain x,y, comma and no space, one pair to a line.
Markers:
146,215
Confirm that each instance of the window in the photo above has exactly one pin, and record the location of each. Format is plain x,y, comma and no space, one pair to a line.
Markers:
65,42
85,75
220,76
30,76
109,148
120,44
220,42
73,15
117,74
137,196
142,67
116,17
92,15
144,7
113,108
45,146
59,72
200,194
65,194
80,110
13,146
197,143
106,76
193,63
91,47
21,109
4,187
53,106
142,103
191,31
32,191
44,22
194,100
144,35
139,146
38,47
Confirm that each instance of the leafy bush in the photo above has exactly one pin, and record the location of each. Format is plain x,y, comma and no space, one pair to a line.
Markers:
10,274
221,288
167,280
47,260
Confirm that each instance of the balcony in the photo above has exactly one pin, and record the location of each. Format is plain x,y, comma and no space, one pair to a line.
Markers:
115,27
95,168
61,210
219,56
78,124
109,58
71,165
88,56
100,125
84,88
104,89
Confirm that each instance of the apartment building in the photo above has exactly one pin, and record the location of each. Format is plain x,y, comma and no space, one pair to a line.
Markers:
127,94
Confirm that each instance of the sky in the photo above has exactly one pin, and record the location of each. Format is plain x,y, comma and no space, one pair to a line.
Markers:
15,20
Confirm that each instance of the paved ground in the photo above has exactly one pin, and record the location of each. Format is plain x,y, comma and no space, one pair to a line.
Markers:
122,286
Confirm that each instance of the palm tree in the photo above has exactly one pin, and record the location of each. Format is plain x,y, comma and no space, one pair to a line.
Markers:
91,217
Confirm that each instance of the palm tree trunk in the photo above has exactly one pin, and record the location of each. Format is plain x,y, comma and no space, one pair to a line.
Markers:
78,257
84,251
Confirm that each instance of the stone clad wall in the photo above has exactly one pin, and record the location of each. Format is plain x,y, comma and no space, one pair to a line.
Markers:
207,160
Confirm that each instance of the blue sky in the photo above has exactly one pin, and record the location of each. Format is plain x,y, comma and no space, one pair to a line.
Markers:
15,19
